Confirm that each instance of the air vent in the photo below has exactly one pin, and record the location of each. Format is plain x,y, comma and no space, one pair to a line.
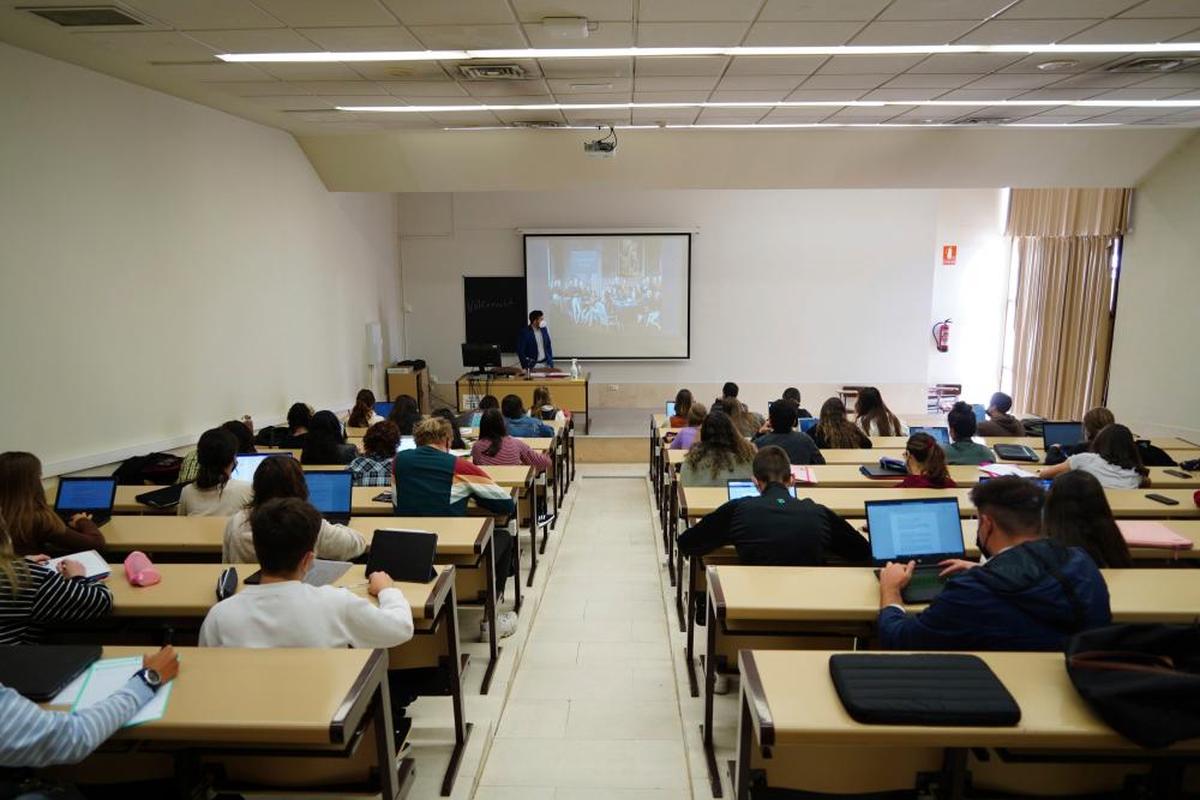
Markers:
85,16
540,123
1154,64
491,72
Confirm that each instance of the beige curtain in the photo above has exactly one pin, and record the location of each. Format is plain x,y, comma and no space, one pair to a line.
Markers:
1064,240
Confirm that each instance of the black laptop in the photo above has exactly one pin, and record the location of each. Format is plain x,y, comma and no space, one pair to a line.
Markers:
166,497
940,433
925,530
330,492
1063,434
93,496
41,671
407,556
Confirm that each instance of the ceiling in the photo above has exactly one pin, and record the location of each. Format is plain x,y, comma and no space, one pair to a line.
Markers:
175,52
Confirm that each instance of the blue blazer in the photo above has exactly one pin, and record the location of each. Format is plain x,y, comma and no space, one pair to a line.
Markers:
527,351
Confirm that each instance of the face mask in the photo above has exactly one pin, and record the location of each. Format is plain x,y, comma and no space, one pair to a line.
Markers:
979,542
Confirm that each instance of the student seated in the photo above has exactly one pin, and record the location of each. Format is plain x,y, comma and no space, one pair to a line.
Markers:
405,413
873,417
298,418
1031,594
495,446
801,449
1094,421
213,494
241,431
274,479
1078,515
961,450
834,431
34,525
776,529
374,466
543,407
363,414
720,455
282,611
326,441
1112,457
683,404
430,482
470,419
999,421
792,395
926,464
456,443
745,421
686,437
32,595
521,424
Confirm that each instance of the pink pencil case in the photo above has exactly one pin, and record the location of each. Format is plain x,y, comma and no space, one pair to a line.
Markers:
139,570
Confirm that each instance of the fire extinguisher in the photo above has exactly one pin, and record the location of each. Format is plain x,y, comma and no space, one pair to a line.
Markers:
941,335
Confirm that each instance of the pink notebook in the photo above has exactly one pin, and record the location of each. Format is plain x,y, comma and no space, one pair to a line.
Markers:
803,474
1140,533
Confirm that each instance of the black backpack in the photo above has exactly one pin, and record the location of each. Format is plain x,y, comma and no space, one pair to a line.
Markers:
159,469
1154,456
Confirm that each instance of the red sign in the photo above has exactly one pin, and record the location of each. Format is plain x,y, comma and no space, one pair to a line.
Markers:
949,255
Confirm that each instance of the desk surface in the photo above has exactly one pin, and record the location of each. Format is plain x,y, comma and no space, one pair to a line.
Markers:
1052,713
362,497
851,594
364,504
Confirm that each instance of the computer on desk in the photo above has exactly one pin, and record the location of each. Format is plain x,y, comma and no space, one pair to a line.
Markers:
925,530
1063,434
481,358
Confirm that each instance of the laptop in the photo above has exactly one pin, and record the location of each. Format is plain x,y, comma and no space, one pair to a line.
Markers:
406,443
329,491
406,556
246,464
925,530
41,671
1061,433
166,497
384,409
739,488
670,409
93,496
808,423
940,434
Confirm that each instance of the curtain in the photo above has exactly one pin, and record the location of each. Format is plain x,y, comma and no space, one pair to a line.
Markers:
1069,212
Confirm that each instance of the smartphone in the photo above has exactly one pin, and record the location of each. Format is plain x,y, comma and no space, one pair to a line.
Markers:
1178,473
1166,501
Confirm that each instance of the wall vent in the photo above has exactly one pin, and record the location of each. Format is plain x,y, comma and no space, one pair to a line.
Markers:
106,16
491,72
1154,64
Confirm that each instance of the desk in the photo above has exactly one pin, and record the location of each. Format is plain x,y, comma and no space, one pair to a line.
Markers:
570,394
781,728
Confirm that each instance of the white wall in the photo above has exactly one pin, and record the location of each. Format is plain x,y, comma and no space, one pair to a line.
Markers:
1155,381
166,267
808,287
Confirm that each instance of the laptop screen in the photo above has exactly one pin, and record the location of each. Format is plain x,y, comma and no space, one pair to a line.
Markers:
940,435
808,423
247,464
406,443
743,488
914,529
87,494
329,492
1044,483
1061,433
383,409
670,409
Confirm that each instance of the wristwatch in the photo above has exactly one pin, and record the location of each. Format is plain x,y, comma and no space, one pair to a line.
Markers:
150,677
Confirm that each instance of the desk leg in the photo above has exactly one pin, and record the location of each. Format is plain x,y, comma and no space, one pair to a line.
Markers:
690,648
546,492
462,728
489,611
954,774
710,679
533,531
741,776
385,743
516,568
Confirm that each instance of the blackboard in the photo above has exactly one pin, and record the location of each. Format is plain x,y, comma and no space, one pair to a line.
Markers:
494,310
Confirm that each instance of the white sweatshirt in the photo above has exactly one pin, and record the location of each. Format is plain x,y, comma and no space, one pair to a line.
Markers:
214,502
334,542
294,614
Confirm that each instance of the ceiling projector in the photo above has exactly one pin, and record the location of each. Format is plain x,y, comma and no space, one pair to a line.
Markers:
604,147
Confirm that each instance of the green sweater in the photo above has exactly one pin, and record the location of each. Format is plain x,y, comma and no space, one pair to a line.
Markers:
968,452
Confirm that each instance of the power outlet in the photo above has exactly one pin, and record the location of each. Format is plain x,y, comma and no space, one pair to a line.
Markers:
612,387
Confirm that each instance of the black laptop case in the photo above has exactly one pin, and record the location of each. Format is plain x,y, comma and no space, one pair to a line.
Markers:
40,672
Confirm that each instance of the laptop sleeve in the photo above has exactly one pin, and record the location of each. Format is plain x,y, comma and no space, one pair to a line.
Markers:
922,689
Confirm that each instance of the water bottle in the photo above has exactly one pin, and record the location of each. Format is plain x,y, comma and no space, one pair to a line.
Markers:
575,368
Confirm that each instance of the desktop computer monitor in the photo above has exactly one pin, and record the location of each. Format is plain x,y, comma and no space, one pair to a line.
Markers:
479,356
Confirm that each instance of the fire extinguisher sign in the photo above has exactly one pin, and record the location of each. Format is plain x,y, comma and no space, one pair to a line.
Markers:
949,255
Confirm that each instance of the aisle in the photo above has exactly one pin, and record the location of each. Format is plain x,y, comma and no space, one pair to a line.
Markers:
593,708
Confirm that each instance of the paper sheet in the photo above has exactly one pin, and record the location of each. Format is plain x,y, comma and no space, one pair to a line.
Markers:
107,676
999,470
92,561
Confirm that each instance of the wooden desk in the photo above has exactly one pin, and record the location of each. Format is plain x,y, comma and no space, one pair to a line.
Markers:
268,703
782,730
568,393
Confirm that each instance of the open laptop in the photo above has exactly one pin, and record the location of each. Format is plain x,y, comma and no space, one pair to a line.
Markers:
1044,483
40,672
925,530
384,409
406,556
93,496
406,443
330,491
940,434
740,487
808,423
1062,434
246,464
670,409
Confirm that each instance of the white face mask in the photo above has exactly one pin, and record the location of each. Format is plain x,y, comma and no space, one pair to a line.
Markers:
542,322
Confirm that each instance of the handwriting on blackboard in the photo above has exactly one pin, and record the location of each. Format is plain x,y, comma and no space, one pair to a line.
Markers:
488,304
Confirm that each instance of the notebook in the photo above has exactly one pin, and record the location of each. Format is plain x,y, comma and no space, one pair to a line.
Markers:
330,491
406,556
93,496
106,677
940,434
925,530
91,561
40,672
739,488
246,464
1062,434
803,475
1139,533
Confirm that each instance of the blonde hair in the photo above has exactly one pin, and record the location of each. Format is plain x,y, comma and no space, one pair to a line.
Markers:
1096,420
14,570
23,501
432,430
541,397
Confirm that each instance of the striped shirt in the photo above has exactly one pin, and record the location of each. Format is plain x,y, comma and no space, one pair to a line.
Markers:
432,483
512,452
33,737
370,471
48,597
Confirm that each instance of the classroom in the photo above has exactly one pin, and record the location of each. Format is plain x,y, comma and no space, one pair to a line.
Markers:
599,399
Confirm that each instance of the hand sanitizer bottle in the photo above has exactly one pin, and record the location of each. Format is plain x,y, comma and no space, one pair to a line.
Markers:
575,368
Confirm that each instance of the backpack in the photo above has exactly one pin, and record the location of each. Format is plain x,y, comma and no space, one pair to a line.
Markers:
1154,456
159,469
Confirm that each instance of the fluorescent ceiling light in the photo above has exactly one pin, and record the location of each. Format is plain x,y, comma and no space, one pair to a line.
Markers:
776,104
653,52
767,126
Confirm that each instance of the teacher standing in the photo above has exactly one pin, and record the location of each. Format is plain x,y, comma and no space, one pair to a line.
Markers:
533,343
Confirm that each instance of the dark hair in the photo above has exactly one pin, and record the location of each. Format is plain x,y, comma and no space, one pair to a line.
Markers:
962,422
925,449
298,416
278,476
1001,402
1015,503
683,402
512,406
456,443
783,416
792,395
870,408
1096,420
1115,445
1077,514
364,407
486,402
284,530
245,439
324,440
730,389
772,465
492,428
405,413
215,451
720,443
534,315
835,429
696,415
382,439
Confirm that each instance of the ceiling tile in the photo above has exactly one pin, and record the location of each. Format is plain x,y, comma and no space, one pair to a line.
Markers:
730,116
1084,63
587,67
279,40
863,82
931,80
470,37
360,99
606,34
588,97
695,10
602,10
1098,80
749,96
651,116
983,95
942,9
456,118
798,114
522,100
760,82
381,37
1119,31
775,65
310,72
192,15
677,96
1067,9
594,117
590,86
422,89
1165,8
451,12
1179,80
1137,93
340,87
799,34
651,83
509,117
400,71
285,102
1014,80
257,88
829,10
690,34
146,45
933,114
804,94
505,88
902,94
1058,93
979,63
864,114
699,65
1025,31
928,32
445,101
317,13
216,71
857,65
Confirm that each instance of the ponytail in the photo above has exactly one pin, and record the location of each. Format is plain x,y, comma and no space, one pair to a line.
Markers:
364,406
927,452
